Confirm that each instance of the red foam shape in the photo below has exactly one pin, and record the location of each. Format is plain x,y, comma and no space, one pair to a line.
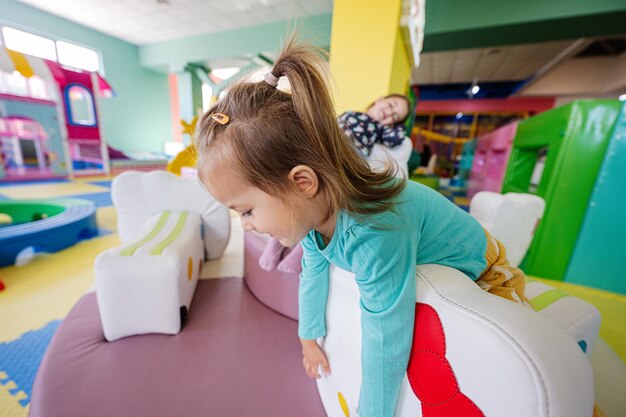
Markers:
429,372
1,286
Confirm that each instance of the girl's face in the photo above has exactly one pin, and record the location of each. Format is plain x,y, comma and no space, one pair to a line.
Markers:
260,211
389,110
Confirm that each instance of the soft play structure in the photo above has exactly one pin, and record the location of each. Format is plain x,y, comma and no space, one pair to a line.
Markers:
572,140
465,164
44,226
30,148
169,226
63,102
490,160
474,354
544,353
602,237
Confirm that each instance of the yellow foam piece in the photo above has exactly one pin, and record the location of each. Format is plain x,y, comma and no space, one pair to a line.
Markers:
185,158
612,307
52,190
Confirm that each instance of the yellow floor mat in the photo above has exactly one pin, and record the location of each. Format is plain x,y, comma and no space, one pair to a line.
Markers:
52,190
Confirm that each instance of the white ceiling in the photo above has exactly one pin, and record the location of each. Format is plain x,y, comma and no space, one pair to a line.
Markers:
502,63
148,21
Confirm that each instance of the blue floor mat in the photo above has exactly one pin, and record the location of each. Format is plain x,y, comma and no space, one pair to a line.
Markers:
106,184
99,199
20,358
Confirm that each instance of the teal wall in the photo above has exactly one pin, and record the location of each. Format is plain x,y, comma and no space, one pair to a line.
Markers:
172,56
138,118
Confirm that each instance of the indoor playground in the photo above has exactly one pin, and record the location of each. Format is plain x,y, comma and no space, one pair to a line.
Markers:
127,289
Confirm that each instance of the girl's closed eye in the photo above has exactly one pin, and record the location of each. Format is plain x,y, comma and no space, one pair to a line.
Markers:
246,213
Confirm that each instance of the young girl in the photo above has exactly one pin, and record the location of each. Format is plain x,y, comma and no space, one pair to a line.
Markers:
383,122
284,164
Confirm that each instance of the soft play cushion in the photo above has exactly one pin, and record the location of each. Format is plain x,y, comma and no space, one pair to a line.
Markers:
398,155
579,319
234,358
277,290
137,196
146,286
511,218
474,354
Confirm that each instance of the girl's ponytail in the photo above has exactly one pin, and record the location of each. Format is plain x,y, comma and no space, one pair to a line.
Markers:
269,132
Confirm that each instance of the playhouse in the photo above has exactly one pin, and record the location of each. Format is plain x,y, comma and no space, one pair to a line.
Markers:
48,119
557,155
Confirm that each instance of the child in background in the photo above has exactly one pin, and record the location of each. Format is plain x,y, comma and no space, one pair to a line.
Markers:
283,163
383,123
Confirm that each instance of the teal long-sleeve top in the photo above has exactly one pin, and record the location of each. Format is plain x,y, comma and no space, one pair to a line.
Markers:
382,251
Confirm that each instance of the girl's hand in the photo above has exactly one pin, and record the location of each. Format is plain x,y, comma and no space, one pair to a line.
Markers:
314,356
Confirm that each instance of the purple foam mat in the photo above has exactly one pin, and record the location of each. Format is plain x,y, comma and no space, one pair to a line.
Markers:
234,357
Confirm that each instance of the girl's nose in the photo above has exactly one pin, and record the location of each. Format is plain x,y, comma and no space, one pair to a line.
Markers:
246,224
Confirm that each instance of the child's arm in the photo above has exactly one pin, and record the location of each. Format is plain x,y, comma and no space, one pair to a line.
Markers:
384,264
312,292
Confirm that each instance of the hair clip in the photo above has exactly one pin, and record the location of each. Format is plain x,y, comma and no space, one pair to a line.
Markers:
220,118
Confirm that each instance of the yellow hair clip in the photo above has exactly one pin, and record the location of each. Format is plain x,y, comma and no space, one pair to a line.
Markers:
220,118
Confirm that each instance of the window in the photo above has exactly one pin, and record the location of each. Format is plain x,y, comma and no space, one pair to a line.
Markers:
80,106
28,43
77,56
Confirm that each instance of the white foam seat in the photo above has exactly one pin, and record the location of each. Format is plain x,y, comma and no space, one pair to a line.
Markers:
146,286
137,196
511,218
169,226
506,359
580,319
398,155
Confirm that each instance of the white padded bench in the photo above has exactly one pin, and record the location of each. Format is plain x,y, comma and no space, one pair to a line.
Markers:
147,286
169,226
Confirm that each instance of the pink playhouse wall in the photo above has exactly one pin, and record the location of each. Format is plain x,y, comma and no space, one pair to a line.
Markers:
490,160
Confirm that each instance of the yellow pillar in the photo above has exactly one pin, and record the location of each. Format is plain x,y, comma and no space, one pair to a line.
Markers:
367,53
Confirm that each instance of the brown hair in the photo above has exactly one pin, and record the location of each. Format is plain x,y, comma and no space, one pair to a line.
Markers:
270,132
402,96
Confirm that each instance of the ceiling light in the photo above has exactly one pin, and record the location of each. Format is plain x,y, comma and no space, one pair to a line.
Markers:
475,89
458,115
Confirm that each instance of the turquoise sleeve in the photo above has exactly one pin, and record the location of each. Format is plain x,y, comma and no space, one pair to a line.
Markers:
312,292
385,273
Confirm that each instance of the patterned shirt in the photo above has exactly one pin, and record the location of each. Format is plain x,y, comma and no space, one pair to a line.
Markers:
365,131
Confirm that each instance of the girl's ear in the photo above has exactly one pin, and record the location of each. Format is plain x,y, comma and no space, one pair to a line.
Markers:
305,180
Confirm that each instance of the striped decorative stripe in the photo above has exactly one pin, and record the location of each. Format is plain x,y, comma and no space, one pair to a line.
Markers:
178,228
130,250
545,299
